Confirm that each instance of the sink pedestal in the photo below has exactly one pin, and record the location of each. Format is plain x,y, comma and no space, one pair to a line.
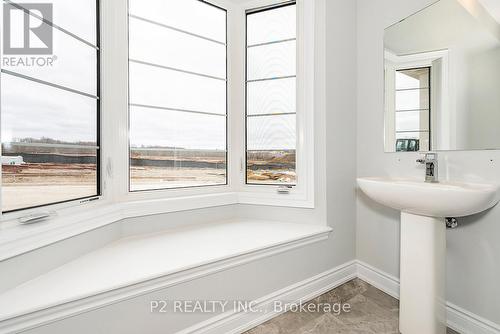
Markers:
422,276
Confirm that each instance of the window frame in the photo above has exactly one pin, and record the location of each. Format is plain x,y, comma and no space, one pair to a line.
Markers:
61,205
301,194
393,63
429,109
247,13
187,191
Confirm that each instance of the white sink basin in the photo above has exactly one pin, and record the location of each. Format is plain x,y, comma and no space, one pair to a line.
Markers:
442,199
423,207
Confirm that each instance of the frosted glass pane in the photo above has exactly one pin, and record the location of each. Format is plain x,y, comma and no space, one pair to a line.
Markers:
412,120
416,78
159,45
190,15
32,110
171,129
412,99
160,87
271,132
272,25
272,60
76,16
75,65
271,97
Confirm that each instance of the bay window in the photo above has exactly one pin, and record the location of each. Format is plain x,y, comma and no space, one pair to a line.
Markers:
167,121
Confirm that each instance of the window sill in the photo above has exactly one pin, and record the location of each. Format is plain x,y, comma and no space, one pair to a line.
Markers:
151,262
16,239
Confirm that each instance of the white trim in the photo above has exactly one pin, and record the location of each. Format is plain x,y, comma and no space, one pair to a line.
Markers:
302,195
232,323
440,103
379,279
72,308
238,322
466,322
458,319
16,239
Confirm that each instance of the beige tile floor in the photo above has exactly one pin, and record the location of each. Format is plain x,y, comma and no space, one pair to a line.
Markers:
372,312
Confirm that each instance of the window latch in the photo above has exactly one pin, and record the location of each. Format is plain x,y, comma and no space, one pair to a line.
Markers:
34,218
284,190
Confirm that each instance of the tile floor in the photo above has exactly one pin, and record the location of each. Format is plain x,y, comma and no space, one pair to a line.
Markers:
372,312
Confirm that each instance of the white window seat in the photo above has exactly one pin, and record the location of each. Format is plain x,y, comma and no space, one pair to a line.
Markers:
136,265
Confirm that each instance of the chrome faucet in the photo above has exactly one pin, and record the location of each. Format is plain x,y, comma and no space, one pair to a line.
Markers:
431,167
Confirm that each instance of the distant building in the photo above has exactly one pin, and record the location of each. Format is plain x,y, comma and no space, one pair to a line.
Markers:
12,161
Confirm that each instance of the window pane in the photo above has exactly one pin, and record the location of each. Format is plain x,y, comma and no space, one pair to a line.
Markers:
163,46
38,175
271,97
421,137
412,120
39,112
271,132
76,16
166,88
271,149
273,60
415,78
193,16
177,114
172,149
74,66
272,25
271,167
412,99
45,132
173,129
271,137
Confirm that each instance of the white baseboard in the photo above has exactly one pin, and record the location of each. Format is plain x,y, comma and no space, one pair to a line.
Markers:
459,319
466,322
379,279
235,323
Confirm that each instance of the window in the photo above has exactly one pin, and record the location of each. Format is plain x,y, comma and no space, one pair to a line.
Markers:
50,103
271,95
413,130
178,88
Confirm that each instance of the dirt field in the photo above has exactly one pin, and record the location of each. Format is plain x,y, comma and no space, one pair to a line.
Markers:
143,178
33,184
37,184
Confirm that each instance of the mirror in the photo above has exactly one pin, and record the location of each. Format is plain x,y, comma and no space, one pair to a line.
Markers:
442,78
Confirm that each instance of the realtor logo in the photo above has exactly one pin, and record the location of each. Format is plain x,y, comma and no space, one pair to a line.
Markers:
26,31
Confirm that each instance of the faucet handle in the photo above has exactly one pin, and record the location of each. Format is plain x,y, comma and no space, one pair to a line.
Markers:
427,157
423,158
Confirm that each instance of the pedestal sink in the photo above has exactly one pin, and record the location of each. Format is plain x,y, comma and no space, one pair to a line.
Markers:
423,208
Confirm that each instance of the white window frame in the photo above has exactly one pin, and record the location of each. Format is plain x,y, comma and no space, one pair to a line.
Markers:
302,194
394,63
120,157
116,202
70,206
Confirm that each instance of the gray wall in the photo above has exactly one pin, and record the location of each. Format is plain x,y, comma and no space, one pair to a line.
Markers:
335,137
473,256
